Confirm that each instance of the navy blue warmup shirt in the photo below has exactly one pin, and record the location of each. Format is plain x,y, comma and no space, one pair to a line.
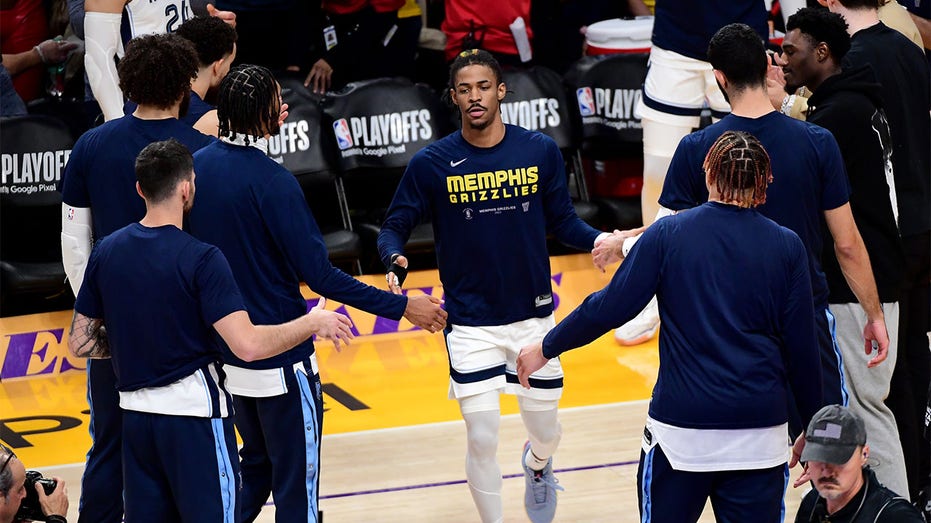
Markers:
254,210
808,179
738,322
686,26
101,171
491,209
159,291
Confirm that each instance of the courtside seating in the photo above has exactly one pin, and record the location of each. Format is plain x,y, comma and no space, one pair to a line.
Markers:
377,127
537,100
607,89
306,150
32,277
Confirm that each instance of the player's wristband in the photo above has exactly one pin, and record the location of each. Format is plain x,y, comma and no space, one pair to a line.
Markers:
54,518
399,272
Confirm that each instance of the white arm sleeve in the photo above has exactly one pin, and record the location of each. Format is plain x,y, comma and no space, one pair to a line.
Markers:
76,243
102,39
630,242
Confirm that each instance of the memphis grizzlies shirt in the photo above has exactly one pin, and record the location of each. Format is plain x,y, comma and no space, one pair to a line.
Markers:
491,210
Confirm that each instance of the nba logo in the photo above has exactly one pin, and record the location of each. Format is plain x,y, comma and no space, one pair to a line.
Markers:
343,137
586,101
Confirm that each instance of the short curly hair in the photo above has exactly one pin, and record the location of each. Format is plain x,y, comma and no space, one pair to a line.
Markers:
212,37
157,69
820,25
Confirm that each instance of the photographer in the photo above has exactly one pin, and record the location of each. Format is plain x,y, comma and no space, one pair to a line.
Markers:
54,506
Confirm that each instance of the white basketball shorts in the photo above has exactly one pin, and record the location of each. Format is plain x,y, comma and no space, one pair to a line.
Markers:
483,359
677,88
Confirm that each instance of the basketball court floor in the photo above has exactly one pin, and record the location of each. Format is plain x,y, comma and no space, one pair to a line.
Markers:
394,445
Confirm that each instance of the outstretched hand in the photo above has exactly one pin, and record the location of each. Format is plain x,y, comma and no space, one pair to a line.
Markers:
227,16
426,312
610,249
319,76
530,360
282,114
331,325
775,80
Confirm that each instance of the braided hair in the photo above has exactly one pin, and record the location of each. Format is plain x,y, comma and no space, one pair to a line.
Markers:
738,166
249,102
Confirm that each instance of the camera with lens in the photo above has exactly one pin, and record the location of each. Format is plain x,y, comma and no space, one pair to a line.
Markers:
29,509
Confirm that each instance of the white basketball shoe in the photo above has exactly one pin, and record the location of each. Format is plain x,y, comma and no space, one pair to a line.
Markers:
640,329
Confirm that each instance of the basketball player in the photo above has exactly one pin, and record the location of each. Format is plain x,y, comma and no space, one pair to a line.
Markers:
160,294
254,210
99,197
215,42
493,191
102,32
738,334
678,85
810,186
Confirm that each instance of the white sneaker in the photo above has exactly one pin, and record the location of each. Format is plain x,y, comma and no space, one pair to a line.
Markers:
640,329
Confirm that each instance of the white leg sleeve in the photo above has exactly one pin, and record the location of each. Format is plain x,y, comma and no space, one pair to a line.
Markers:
76,243
542,424
659,143
482,470
102,38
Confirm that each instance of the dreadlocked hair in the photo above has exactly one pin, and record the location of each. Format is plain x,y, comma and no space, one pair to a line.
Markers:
248,102
738,166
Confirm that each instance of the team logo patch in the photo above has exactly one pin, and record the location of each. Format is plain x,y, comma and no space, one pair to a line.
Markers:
468,213
586,101
70,213
343,136
525,206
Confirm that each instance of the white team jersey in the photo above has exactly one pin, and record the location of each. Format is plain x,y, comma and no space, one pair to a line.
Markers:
156,16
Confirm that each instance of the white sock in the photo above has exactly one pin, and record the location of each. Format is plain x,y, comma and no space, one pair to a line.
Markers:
533,463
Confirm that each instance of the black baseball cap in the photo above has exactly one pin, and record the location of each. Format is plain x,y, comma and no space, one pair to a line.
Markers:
833,434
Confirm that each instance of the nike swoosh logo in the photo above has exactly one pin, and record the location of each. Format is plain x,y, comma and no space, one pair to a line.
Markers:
454,164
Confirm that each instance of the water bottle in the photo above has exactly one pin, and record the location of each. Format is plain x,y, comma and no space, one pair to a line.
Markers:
56,86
